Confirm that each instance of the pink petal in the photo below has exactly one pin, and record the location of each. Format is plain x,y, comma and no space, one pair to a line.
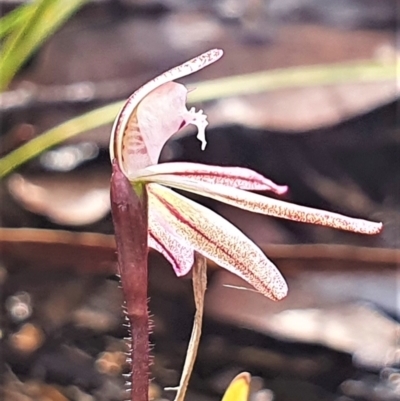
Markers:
218,240
237,177
160,115
135,135
173,248
273,207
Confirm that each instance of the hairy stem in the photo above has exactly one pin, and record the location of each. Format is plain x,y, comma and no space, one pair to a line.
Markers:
129,212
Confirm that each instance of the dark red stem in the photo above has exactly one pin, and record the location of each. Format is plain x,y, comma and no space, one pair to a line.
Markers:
129,212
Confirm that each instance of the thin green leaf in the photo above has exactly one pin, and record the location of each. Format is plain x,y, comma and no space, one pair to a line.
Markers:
366,71
93,119
295,77
15,18
44,19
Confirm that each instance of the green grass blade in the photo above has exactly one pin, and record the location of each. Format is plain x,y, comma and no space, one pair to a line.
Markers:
295,77
75,126
205,91
15,19
45,18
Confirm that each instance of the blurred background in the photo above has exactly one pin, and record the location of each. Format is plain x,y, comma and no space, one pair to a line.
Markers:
333,137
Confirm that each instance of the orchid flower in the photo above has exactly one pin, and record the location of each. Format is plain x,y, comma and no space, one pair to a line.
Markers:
179,226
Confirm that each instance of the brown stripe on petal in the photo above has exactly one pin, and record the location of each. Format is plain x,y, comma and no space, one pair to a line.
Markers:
274,207
237,177
158,246
130,106
219,240
175,250
134,151
171,255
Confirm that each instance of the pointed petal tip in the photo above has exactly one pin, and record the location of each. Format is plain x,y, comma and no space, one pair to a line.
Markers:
368,227
179,272
279,292
379,227
217,53
272,285
281,189
209,57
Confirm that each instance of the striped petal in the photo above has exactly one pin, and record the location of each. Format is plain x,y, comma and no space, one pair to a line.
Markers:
272,207
218,240
237,177
155,112
163,239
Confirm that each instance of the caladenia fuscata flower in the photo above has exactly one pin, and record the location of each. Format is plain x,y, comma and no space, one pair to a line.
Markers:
179,226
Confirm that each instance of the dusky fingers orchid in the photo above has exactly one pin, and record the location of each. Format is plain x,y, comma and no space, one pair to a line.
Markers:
178,226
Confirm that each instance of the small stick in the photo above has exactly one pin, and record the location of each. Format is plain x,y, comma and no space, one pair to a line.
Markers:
129,213
199,287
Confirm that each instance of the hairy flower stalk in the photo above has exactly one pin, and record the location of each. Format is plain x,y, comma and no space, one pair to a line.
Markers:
129,212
